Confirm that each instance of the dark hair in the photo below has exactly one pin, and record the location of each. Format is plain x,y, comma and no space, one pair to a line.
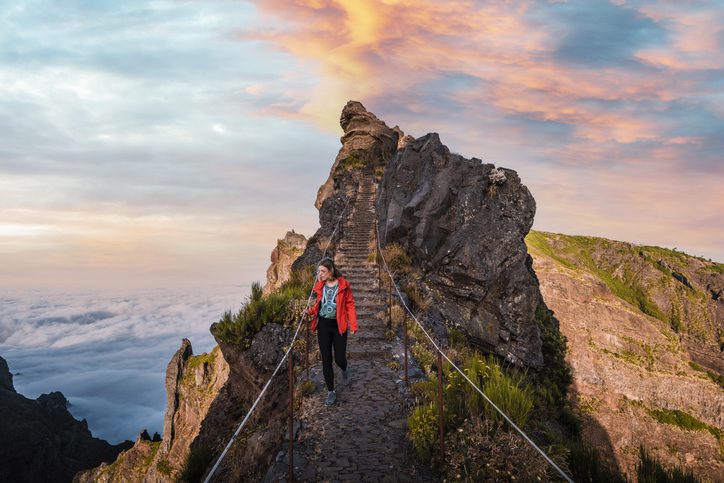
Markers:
328,263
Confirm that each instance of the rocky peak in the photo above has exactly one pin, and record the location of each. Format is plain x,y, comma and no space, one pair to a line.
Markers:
6,377
367,143
282,257
403,139
462,222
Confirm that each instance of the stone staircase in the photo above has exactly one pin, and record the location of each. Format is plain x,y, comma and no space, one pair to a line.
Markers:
362,437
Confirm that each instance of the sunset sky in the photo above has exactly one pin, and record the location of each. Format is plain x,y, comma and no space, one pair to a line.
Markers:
170,143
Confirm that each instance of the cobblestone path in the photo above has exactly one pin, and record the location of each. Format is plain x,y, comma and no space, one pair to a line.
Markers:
362,437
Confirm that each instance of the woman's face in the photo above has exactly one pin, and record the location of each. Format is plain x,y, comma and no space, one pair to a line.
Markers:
324,273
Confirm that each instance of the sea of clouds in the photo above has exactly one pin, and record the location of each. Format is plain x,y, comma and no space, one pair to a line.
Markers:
107,352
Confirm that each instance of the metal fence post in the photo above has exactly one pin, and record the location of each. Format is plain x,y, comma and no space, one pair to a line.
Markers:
441,416
291,415
404,325
307,349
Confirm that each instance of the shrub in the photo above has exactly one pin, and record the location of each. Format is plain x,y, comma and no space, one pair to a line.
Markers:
198,459
585,464
306,388
423,429
418,299
394,365
719,379
379,172
649,470
164,467
398,315
484,451
351,162
508,392
259,310
396,257
423,356
555,377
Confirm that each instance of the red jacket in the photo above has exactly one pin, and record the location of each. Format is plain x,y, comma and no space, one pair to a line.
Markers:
346,313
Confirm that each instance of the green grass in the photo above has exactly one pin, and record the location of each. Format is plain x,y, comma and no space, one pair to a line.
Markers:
201,359
678,418
683,420
154,449
715,267
581,248
351,162
718,378
164,467
539,241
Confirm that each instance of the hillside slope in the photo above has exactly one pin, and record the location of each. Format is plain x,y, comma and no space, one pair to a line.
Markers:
644,329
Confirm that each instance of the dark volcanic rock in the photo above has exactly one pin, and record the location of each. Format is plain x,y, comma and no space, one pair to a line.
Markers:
41,441
6,377
462,223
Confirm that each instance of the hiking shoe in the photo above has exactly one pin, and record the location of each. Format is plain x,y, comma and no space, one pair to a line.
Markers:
345,375
331,397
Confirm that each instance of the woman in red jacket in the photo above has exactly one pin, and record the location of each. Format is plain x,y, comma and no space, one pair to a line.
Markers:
334,316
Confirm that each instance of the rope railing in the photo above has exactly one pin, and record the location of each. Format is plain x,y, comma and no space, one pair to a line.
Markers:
441,353
281,362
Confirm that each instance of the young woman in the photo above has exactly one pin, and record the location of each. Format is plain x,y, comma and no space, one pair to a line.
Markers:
334,316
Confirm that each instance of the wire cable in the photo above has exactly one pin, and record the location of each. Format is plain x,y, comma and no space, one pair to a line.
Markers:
437,348
291,346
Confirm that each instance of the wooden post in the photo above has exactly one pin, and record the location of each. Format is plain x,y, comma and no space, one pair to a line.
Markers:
291,415
441,416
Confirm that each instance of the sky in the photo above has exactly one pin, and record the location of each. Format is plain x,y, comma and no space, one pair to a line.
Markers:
171,143
152,152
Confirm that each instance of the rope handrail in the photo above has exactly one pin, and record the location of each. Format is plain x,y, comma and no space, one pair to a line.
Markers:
438,349
281,362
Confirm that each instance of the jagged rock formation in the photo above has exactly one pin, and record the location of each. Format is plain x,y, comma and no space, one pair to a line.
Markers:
626,364
367,146
41,441
284,254
462,222
207,397
192,386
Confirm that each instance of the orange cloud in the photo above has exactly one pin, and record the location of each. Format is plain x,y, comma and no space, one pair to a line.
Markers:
366,50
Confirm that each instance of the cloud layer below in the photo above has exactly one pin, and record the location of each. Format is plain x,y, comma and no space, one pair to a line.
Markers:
107,352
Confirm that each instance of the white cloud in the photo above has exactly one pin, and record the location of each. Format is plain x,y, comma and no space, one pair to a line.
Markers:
107,352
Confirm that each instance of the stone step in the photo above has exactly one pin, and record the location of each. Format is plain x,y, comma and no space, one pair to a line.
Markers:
361,281
366,355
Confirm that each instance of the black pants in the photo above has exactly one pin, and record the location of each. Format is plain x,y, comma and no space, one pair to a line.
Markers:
328,336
